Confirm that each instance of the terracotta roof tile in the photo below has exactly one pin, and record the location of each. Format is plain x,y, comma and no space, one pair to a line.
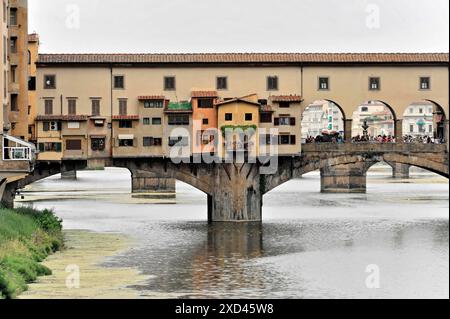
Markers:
286,98
246,58
151,97
200,94
74,118
125,117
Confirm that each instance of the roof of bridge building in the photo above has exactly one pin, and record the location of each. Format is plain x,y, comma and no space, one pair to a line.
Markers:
244,58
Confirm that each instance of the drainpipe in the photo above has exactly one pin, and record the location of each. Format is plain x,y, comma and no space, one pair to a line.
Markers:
111,111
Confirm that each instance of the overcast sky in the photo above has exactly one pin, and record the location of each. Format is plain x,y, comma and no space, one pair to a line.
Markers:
152,26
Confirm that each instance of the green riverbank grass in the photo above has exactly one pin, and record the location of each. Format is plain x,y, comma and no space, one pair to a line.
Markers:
27,237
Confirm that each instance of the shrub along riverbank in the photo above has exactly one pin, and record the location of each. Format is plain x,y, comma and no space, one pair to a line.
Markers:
27,237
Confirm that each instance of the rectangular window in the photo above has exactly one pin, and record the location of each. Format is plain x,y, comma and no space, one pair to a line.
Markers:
179,141
285,121
205,121
13,44
272,83
95,107
119,82
154,104
50,147
222,83
13,73
182,119
205,103
285,105
48,107
146,121
51,126
73,145
49,82
169,83
123,107
125,124
72,107
324,83
411,128
374,83
425,83
14,102
152,141
13,16
156,121
266,118
248,116
228,117
287,140
32,83
98,144
126,143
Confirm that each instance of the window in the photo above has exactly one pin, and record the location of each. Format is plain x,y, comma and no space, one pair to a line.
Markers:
179,141
119,82
125,124
123,107
72,107
222,83
32,83
287,140
13,16
411,128
205,103
169,83
285,105
424,83
374,84
126,143
285,121
156,121
29,109
98,144
154,104
272,83
49,82
13,44
14,103
152,141
95,107
228,117
324,83
364,109
182,119
73,145
248,116
146,121
420,111
205,121
50,147
48,105
13,73
266,118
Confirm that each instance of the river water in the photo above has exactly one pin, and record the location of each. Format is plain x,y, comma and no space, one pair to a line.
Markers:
310,245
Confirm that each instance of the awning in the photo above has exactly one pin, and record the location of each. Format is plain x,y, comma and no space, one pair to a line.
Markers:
126,137
19,141
97,136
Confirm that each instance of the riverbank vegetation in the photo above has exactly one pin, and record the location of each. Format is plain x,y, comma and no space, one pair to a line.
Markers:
27,237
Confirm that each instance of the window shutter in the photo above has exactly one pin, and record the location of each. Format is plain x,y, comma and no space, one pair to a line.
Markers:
277,121
41,147
46,126
58,147
59,126
293,121
293,139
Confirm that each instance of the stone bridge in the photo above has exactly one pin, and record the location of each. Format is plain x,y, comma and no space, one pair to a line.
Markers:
235,190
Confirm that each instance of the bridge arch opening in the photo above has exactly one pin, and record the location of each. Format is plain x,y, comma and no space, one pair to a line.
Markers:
425,122
323,120
374,120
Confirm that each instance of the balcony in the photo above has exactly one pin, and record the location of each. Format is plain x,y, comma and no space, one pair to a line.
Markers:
15,149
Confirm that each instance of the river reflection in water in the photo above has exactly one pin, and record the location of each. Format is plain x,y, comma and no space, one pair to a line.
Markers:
310,245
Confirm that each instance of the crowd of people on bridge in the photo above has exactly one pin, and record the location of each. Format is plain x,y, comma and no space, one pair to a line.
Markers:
374,139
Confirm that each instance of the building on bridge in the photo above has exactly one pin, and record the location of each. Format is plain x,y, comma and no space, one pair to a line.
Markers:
418,120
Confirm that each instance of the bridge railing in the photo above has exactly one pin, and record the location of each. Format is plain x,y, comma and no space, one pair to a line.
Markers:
374,147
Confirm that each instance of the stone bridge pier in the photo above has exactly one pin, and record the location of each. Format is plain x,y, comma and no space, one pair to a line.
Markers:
348,178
